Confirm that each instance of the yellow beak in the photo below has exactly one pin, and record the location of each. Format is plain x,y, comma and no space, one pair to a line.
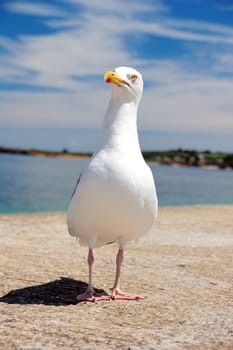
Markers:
113,78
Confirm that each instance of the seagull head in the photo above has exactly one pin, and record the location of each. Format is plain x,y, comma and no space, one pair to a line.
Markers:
127,84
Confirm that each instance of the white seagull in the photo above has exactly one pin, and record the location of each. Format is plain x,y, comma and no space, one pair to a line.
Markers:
115,198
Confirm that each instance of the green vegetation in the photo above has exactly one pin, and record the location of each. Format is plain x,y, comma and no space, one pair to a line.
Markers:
191,158
171,157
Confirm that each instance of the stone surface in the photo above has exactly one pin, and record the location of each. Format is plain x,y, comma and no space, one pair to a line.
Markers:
184,266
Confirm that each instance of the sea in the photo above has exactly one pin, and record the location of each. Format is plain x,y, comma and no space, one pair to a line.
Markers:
43,184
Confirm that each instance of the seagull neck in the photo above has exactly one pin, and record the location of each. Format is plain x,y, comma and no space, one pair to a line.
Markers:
120,126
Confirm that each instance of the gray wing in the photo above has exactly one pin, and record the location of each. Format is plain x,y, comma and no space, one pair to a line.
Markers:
76,186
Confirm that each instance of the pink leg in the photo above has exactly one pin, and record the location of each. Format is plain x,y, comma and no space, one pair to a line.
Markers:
90,294
116,292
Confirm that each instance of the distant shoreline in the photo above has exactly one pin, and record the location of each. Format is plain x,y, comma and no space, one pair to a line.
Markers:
43,153
179,157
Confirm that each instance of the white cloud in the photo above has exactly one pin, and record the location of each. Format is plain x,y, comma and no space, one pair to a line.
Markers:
186,94
37,9
183,103
121,7
200,26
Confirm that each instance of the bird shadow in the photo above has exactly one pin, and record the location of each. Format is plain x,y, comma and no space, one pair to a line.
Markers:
59,292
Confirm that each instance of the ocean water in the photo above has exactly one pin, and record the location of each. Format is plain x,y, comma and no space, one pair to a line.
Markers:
40,184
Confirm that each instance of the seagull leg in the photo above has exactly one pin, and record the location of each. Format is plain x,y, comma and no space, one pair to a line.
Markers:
116,292
90,294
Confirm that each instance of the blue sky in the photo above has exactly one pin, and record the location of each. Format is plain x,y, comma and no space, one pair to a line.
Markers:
53,55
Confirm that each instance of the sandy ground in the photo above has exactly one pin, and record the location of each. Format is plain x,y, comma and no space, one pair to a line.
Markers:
184,266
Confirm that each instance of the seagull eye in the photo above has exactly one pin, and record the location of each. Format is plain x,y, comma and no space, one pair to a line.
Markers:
134,77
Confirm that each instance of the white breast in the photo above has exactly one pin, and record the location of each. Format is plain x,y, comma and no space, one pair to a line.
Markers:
115,200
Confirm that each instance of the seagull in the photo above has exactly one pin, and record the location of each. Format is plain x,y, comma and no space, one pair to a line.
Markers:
115,197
